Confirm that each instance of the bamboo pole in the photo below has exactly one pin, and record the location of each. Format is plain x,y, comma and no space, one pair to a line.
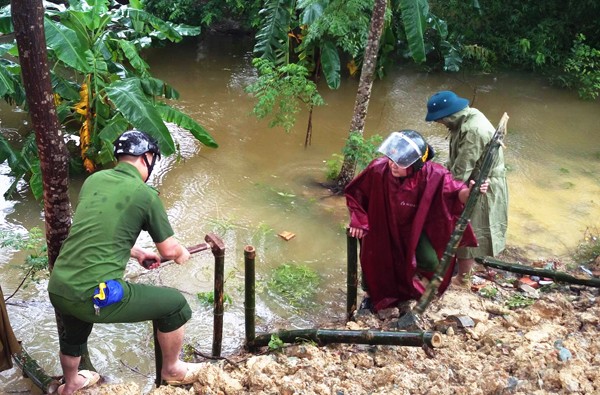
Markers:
157,355
249,293
157,350
327,336
485,165
522,269
34,372
218,250
352,275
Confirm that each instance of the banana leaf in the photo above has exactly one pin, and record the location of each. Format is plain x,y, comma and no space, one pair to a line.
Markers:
175,116
272,41
67,46
129,99
330,59
413,17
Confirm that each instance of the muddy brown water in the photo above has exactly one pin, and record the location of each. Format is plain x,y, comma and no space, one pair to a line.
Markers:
262,181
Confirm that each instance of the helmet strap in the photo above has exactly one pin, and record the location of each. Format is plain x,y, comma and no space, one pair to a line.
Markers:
149,166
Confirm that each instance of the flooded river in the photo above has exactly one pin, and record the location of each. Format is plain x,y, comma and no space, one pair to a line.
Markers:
262,181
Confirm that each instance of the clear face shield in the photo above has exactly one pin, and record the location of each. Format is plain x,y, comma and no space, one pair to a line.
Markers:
400,148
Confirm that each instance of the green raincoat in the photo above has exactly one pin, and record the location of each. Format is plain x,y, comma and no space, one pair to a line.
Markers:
470,131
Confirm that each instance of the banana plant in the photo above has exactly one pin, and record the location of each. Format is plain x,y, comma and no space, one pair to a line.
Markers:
102,86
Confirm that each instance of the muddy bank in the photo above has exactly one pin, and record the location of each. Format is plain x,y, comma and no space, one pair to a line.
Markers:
551,346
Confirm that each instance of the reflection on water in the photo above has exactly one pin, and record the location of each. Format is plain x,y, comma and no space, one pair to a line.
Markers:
262,181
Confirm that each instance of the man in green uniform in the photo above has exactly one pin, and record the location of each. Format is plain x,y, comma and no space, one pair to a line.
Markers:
470,132
86,285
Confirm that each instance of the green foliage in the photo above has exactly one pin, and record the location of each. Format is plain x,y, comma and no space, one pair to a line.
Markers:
360,150
342,22
188,352
582,69
488,292
101,83
208,298
178,11
333,166
207,13
441,46
589,248
275,343
296,284
527,35
272,40
33,244
281,91
518,300
414,14
315,34
357,149
262,230
478,57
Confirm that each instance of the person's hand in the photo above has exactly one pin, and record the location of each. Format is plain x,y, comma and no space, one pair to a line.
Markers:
144,257
483,187
357,232
183,256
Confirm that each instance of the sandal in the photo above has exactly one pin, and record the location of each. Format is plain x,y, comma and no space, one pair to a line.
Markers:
91,378
190,377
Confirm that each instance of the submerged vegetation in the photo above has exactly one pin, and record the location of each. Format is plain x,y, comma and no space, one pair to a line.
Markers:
295,284
34,245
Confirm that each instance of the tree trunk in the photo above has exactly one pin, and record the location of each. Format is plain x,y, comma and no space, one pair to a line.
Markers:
363,95
28,20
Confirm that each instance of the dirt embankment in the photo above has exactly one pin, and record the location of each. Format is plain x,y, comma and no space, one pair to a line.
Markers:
549,347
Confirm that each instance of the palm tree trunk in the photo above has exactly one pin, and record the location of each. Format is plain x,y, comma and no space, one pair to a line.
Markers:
363,95
28,20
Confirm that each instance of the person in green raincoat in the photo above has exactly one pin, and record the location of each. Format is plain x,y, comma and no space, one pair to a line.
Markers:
470,132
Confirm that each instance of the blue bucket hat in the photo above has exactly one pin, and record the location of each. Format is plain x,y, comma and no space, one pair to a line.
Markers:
444,103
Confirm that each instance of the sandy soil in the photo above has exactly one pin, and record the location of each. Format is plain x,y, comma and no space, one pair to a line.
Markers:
490,346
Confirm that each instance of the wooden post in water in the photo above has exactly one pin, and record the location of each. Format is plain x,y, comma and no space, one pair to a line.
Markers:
352,275
218,250
249,294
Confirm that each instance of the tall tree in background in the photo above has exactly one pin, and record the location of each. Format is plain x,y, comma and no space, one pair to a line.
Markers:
365,85
28,21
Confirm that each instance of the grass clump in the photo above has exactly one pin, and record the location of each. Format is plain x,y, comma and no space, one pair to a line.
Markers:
296,284
588,249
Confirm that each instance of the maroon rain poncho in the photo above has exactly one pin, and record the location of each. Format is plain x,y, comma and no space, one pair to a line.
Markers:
394,211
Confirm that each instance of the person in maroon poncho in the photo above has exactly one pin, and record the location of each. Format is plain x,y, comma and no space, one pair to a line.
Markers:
404,208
